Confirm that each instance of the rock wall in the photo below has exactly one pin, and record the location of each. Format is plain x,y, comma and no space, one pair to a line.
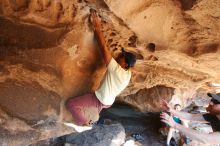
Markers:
48,53
147,100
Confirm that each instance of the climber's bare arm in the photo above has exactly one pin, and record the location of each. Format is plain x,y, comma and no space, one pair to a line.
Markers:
96,22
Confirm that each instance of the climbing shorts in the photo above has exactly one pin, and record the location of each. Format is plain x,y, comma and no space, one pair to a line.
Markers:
85,109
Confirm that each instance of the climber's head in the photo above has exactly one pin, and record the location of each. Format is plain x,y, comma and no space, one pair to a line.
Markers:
126,59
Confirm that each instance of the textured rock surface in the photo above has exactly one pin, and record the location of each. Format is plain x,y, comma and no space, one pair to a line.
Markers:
48,53
148,99
113,135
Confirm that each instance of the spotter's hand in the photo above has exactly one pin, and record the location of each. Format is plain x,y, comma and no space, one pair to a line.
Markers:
167,119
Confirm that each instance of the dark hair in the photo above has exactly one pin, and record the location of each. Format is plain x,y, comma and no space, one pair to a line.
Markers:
130,58
177,105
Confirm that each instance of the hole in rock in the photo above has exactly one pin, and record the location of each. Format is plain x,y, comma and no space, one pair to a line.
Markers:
115,49
113,45
187,4
132,41
110,41
151,47
112,34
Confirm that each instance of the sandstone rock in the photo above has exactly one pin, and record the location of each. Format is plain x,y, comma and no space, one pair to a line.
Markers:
48,53
148,99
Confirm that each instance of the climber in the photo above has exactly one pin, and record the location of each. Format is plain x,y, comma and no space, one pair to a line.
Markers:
115,80
212,117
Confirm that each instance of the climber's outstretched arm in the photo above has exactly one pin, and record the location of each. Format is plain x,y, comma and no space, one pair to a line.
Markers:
96,22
